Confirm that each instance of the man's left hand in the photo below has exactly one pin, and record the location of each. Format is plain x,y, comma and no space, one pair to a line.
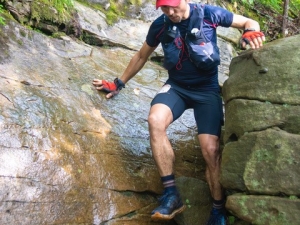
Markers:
254,38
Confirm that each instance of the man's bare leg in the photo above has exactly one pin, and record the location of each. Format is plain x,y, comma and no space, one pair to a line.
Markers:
211,153
159,119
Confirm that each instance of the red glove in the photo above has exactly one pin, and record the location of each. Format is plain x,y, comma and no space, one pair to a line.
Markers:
249,35
110,87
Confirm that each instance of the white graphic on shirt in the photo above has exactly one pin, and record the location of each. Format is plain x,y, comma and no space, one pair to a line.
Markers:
165,88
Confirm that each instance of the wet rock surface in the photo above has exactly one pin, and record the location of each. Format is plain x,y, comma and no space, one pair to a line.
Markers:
69,155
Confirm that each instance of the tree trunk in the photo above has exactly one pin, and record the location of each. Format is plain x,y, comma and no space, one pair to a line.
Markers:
285,17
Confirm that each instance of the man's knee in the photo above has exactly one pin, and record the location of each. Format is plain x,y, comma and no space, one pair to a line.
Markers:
160,117
156,121
210,147
152,117
211,150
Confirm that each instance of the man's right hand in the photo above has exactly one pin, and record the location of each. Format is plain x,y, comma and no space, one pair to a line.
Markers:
112,88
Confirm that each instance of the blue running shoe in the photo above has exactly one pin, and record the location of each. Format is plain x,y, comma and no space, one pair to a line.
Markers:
217,217
171,205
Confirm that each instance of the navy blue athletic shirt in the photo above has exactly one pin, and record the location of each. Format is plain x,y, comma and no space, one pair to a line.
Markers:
189,74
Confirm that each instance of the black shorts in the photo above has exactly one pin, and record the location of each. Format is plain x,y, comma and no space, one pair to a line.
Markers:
207,106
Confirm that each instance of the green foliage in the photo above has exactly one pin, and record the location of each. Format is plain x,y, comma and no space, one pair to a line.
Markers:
112,13
187,201
293,197
295,6
115,11
45,9
268,13
62,5
135,2
273,4
1,18
231,220
247,2
276,5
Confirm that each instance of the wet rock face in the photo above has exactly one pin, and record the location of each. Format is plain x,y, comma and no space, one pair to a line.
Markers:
67,154
261,153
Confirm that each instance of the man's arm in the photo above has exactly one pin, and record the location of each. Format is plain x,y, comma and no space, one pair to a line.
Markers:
137,62
135,65
242,22
245,23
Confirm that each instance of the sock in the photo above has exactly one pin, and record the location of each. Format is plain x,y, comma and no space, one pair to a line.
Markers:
218,204
169,183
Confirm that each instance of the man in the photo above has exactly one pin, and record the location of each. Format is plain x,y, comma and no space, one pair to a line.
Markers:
188,86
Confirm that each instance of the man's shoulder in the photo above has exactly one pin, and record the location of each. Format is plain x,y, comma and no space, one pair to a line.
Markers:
204,9
154,33
157,24
159,20
209,9
217,14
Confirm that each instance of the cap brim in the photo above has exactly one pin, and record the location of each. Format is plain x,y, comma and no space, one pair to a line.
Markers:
172,3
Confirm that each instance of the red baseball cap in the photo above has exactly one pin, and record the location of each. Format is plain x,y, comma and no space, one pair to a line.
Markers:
172,3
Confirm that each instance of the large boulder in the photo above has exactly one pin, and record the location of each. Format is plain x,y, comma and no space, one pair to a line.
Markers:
262,119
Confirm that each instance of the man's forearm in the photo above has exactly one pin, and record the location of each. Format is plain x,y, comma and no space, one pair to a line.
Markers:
242,22
134,66
137,62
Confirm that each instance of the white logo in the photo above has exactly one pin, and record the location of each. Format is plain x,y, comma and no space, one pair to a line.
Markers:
206,53
165,88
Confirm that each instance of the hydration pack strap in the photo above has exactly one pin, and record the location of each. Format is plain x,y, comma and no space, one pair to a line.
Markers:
196,20
197,13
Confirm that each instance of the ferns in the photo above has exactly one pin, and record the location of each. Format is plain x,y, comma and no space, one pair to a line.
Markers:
276,5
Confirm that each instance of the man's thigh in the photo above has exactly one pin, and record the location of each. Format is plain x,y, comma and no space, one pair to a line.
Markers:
170,97
208,113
